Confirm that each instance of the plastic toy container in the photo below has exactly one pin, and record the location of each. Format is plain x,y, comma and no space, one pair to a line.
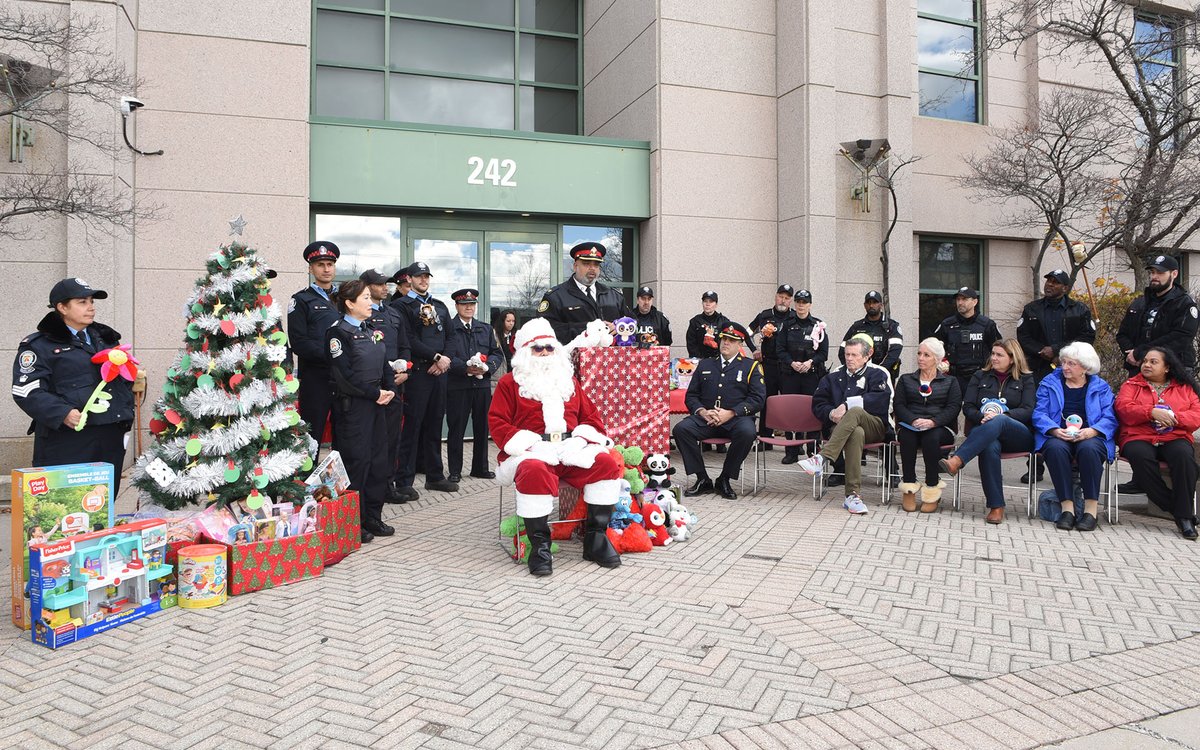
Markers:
202,576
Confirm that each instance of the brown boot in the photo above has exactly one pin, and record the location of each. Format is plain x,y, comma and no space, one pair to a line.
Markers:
931,497
951,465
908,496
995,515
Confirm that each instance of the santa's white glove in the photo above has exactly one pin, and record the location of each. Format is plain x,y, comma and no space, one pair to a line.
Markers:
592,435
578,452
545,452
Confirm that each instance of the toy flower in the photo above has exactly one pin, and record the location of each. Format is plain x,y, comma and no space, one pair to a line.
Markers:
116,361
377,336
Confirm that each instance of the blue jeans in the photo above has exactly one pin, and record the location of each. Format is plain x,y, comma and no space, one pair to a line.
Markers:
1090,455
1000,434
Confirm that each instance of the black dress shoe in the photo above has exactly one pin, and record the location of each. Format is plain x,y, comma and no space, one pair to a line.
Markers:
725,488
790,459
722,448
835,480
365,536
1187,527
1066,521
1087,523
1041,475
441,485
1129,488
454,478
483,474
378,529
701,487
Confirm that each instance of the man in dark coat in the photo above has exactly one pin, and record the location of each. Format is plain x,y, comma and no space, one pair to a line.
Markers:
579,300
469,385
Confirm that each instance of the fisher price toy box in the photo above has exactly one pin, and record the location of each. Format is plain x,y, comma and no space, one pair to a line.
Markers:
50,503
92,582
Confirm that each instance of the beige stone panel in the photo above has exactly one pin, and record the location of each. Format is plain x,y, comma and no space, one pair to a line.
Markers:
224,76
622,82
734,187
864,68
233,154
705,249
820,148
196,224
716,58
637,121
749,15
858,116
285,21
791,68
37,239
606,40
793,147
940,206
159,306
718,122
942,144
24,299
593,11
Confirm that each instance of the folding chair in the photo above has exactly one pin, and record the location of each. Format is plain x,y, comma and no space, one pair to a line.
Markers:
895,447
1116,486
1029,456
882,472
567,497
1107,489
788,412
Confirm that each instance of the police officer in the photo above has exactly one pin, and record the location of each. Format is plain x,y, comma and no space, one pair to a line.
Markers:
885,332
469,387
766,325
650,320
387,320
1050,323
968,336
310,315
400,279
362,383
1165,315
803,349
53,377
725,393
426,318
579,300
703,328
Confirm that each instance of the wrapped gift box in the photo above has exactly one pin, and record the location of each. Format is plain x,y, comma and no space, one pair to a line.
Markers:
341,526
274,562
630,388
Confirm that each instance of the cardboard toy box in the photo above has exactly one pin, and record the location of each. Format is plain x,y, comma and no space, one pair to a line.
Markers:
273,562
341,526
87,583
50,503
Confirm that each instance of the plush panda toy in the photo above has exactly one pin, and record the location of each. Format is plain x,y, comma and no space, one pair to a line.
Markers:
658,471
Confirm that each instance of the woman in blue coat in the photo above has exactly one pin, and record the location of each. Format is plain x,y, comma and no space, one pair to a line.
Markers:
1074,420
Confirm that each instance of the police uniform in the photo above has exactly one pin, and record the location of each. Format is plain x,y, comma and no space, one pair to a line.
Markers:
53,374
736,385
468,397
801,340
704,328
568,306
768,348
1053,323
387,320
426,318
968,341
360,370
885,332
310,314
653,323
1168,320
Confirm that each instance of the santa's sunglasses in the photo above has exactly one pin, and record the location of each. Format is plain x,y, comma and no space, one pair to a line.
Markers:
539,348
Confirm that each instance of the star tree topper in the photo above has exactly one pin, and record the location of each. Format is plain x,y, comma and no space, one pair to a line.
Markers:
236,226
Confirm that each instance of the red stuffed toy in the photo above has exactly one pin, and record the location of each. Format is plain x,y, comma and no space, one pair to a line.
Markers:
655,520
633,539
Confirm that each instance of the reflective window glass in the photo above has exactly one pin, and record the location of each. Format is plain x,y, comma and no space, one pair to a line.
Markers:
551,15
345,92
453,265
549,110
349,38
614,269
964,9
548,59
945,46
445,48
364,241
519,276
497,12
948,98
446,101
363,4
946,267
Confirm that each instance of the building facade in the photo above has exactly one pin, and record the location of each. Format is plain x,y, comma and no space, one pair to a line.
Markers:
698,140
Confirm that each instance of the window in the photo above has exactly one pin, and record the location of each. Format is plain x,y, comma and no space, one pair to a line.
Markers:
617,270
947,265
1156,46
364,241
948,66
500,64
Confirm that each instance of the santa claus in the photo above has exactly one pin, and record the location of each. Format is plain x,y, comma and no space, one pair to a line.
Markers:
548,430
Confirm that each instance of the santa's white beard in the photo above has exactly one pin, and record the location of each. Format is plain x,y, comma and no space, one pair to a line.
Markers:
549,379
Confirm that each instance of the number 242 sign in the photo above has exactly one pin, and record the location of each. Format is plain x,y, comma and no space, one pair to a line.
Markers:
499,172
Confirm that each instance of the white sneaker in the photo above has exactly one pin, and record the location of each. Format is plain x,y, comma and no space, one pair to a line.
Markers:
855,505
813,464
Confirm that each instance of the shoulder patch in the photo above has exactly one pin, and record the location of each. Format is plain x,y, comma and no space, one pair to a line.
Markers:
1020,322
292,305
898,333
1192,310
27,359
546,306
335,347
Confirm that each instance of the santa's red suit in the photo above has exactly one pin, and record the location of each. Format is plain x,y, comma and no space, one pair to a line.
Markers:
543,442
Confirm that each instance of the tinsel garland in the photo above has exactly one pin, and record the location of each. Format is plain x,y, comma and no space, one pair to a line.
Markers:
210,475
229,358
233,437
210,402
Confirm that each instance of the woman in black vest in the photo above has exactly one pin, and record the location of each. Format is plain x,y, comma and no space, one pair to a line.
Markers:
927,404
362,380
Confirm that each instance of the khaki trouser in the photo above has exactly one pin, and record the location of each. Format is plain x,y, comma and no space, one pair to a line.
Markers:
856,429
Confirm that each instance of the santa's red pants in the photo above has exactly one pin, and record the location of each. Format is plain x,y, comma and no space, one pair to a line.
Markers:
537,484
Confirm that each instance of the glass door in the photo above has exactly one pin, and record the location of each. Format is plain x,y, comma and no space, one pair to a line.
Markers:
452,256
519,272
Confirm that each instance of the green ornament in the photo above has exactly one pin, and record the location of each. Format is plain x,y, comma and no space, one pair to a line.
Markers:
254,500
293,418
222,261
169,388
197,308
185,362
192,447
306,464
279,373
205,381
232,475
265,434
260,481
172,373
279,337
291,386
193,331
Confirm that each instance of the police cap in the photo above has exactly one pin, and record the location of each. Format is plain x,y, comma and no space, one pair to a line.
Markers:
967,291
321,250
591,251
710,294
371,276
802,295
417,269
69,289
1060,276
785,289
734,331
465,296
645,291
1163,263
873,296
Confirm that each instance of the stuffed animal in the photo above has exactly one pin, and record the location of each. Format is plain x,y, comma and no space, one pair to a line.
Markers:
626,331
768,330
658,470
710,336
656,527
647,339
631,458
623,514
631,539
576,516
400,365
596,334
480,361
679,523
513,527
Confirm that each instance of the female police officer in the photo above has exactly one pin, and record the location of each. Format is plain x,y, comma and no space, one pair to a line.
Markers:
362,380
53,376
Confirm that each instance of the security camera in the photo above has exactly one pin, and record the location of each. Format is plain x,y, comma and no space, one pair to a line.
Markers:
129,104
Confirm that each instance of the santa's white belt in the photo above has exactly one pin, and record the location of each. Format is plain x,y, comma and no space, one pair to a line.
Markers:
554,437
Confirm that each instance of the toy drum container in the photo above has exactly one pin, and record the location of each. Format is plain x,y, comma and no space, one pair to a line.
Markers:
202,576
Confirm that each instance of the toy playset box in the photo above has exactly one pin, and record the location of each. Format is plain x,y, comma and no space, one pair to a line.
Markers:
90,582
50,503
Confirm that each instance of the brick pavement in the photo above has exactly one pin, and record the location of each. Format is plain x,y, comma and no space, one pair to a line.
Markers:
784,623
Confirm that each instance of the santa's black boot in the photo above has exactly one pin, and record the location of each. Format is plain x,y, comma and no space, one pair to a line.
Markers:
537,532
596,546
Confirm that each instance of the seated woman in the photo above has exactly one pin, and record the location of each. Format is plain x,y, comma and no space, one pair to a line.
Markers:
1158,410
998,407
926,405
1074,421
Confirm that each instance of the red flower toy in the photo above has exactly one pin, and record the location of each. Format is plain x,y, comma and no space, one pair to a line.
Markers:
115,362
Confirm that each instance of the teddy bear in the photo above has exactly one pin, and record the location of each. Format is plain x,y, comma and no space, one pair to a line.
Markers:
656,521
678,523
626,331
479,361
631,539
513,528
595,334
658,470
400,365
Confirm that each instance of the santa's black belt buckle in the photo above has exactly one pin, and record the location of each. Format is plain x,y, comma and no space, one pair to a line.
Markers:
553,437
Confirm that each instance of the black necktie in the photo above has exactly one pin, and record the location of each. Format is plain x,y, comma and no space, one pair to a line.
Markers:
589,293
82,337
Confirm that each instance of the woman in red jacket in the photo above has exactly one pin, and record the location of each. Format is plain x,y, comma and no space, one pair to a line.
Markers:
1158,410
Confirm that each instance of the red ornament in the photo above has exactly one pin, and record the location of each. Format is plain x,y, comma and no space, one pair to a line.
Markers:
158,426
173,416
264,300
204,346
228,328
235,380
